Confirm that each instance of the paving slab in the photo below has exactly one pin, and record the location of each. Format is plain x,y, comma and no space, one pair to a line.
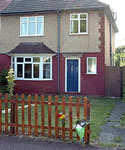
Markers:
111,132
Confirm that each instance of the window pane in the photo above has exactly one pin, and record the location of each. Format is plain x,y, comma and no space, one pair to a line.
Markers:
13,59
36,70
39,28
13,67
31,28
27,59
46,71
83,26
40,19
19,59
92,65
74,26
24,20
19,70
46,59
28,70
31,18
83,16
74,16
24,29
36,59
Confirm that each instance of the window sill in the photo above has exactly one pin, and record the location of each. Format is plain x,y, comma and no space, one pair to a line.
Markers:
33,79
23,36
91,73
79,33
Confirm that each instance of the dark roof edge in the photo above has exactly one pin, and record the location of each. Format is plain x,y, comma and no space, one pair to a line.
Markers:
53,11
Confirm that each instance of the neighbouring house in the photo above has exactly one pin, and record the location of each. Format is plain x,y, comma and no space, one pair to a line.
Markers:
58,46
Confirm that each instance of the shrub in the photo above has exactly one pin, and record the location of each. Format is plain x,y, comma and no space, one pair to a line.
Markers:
3,80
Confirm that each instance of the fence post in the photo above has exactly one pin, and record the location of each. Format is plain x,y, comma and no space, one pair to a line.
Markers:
12,127
87,118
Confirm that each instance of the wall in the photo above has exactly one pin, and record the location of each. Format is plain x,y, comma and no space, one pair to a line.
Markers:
39,87
69,43
4,61
107,41
11,32
80,43
90,84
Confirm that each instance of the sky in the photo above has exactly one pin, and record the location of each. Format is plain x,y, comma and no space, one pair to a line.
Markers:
119,7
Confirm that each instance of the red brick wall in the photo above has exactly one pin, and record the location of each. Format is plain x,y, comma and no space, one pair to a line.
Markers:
90,84
4,61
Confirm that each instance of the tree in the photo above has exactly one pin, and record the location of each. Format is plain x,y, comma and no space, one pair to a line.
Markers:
120,56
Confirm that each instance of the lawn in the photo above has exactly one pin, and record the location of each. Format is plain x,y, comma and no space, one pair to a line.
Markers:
100,110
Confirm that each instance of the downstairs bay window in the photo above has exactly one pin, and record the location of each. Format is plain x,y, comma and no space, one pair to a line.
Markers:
32,68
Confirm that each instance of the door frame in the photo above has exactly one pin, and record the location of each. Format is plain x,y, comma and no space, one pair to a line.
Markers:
79,73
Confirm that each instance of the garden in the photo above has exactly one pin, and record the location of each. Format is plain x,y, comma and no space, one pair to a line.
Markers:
100,110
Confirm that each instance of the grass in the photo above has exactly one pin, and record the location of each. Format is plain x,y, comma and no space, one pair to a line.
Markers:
100,110
122,121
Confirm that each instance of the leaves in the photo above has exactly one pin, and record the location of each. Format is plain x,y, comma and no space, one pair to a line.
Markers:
11,84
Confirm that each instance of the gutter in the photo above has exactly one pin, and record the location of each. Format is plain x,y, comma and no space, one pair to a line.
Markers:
58,53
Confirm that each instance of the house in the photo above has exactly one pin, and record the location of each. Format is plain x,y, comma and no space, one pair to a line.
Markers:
58,46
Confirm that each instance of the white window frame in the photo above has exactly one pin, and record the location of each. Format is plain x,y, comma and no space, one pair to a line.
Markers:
35,26
40,67
79,23
87,66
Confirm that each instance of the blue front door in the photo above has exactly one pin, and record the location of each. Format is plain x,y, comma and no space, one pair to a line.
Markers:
72,75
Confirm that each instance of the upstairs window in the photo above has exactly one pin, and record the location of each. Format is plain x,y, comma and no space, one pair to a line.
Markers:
32,26
91,65
79,23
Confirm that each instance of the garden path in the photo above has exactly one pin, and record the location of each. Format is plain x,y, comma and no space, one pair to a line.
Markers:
111,132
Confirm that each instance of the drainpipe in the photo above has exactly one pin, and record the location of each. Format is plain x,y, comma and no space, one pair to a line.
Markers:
111,59
58,53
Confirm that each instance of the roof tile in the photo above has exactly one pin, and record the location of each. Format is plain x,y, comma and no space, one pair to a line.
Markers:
20,6
35,47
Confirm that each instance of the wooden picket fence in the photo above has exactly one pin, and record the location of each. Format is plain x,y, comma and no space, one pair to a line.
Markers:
13,123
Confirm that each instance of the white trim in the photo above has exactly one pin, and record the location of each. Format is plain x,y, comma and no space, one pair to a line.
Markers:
27,35
87,66
79,33
79,73
40,67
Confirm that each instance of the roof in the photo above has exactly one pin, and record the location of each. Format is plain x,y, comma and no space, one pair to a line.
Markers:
31,6
4,4
21,6
35,48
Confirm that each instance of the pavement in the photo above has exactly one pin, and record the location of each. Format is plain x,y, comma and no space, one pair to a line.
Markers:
29,143
111,132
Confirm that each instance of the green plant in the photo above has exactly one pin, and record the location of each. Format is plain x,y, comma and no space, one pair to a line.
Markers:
118,139
11,84
3,80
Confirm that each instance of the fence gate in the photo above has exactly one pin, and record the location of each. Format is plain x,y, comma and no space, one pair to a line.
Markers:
113,81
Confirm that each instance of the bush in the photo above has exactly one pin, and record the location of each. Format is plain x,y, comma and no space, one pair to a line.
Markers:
3,80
